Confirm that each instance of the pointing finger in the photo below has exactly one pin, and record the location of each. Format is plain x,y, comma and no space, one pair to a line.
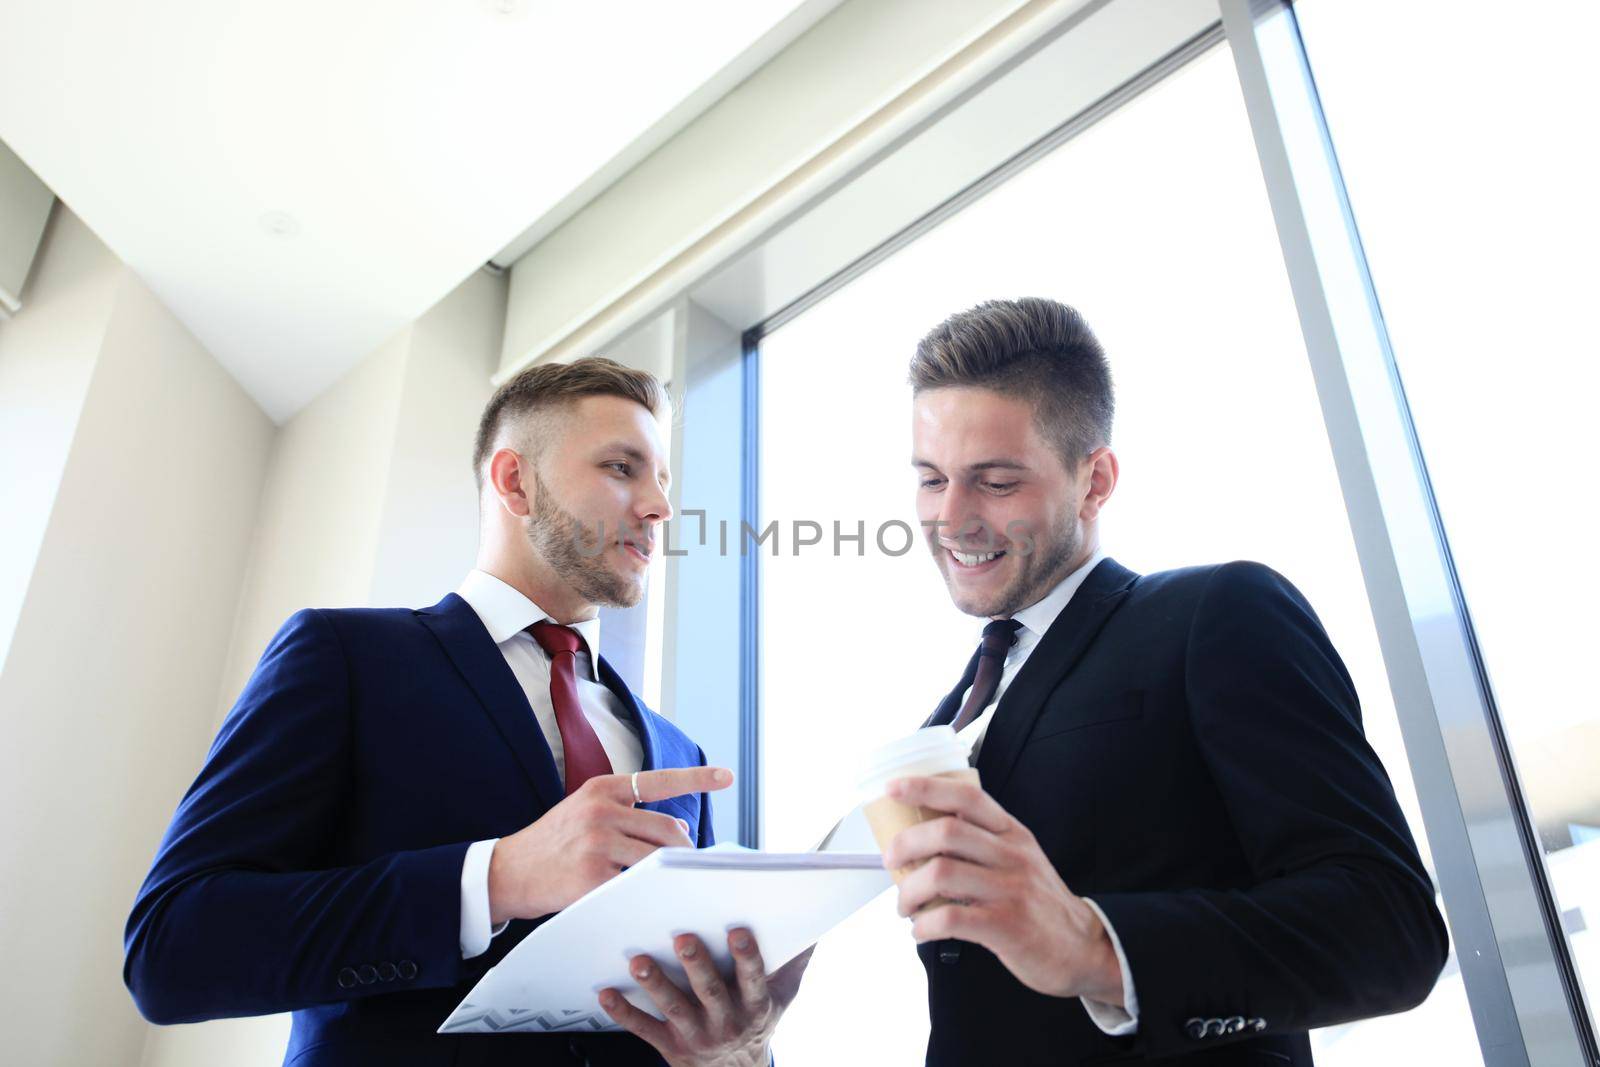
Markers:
672,782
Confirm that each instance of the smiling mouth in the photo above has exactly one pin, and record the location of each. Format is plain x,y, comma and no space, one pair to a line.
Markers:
974,560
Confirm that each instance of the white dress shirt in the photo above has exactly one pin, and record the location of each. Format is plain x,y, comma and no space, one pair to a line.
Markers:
1036,619
507,614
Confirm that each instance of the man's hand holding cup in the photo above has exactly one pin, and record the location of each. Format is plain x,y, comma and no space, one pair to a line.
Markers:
974,873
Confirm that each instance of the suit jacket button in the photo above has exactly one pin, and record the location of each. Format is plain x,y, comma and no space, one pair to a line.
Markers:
1195,1028
347,978
407,970
367,974
386,971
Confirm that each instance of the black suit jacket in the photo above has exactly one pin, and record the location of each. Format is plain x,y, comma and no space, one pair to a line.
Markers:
1187,749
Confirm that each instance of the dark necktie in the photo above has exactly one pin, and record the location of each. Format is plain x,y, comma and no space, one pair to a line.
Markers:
583,754
982,674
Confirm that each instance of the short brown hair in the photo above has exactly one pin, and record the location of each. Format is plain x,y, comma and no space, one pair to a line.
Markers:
1032,349
548,386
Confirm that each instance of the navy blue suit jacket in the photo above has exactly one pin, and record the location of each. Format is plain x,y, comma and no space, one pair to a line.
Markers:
315,864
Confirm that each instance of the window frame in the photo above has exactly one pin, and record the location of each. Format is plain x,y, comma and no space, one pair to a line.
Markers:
1491,870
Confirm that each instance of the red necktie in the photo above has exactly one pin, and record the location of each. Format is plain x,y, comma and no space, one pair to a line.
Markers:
584,755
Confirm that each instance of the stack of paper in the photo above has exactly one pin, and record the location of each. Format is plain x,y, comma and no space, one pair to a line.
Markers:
551,980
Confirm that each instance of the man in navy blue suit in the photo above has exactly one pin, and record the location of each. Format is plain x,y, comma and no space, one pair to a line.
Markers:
399,796
1183,850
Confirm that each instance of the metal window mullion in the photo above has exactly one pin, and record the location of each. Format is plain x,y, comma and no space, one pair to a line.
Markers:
1514,966
705,641
750,755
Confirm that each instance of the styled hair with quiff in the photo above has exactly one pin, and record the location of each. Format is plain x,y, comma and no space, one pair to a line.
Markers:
1032,349
549,388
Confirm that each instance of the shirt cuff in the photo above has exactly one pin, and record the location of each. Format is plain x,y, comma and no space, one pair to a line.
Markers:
1112,1020
476,931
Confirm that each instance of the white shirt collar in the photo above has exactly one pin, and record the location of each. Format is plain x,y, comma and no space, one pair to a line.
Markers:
506,612
1037,617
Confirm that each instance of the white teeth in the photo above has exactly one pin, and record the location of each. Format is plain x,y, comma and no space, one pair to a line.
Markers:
967,560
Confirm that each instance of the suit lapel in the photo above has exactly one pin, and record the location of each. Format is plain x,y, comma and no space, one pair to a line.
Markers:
648,739
458,628
644,724
1059,650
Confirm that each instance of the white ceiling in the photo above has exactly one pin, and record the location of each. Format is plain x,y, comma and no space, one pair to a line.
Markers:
399,143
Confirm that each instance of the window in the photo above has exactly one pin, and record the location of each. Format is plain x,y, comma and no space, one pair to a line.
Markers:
1466,142
1153,223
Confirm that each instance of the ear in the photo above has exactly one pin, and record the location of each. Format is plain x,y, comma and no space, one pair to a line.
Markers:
1101,468
511,480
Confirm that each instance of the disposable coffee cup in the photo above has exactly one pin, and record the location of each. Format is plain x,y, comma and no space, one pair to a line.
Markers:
932,752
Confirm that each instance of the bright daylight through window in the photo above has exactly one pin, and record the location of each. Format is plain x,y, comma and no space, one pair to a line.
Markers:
1154,223
1461,136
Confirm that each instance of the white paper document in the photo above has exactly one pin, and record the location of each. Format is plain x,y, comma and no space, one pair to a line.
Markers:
551,981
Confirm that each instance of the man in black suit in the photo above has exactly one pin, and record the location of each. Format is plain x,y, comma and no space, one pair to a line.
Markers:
1183,849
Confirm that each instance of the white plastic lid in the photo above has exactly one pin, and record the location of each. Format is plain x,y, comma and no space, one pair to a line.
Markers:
934,750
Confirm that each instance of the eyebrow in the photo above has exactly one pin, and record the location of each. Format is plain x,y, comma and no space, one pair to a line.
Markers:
985,465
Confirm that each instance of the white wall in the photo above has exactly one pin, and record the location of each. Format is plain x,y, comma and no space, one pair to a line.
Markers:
369,500
158,531
25,207
429,532
320,508
145,460
47,356
313,547
808,108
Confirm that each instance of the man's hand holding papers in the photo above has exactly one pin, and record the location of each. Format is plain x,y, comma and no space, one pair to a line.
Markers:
718,1022
658,933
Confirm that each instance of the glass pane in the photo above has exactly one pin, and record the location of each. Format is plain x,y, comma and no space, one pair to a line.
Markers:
1461,133
1155,224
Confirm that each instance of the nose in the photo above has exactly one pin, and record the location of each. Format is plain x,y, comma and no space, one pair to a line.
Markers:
959,515
653,507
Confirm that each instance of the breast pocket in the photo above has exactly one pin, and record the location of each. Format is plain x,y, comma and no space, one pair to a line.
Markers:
1071,716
